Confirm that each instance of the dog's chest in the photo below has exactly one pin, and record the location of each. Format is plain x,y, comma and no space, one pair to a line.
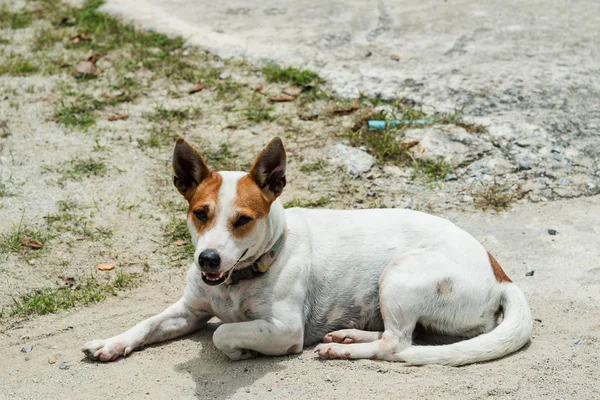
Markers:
236,303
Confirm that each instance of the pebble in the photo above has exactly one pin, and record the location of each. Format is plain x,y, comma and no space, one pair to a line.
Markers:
224,75
247,390
451,177
300,358
530,273
576,341
51,360
27,349
64,365
552,232
372,193
328,379
524,166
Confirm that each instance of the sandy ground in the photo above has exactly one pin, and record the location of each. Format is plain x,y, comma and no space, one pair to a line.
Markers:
564,295
450,53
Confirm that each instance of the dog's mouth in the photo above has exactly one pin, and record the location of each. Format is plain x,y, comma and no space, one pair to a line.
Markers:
217,279
213,279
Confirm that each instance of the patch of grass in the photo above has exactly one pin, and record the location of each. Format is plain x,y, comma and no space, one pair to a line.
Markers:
69,219
455,118
86,168
12,243
4,191
14,19
224,159
432,169
78,113
256,113
18,67
90,290
382,144
177,230
162,114
323,201
45,39
317,165
495,196
295,76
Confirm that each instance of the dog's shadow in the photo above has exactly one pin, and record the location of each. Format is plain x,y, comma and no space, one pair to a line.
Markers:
216,376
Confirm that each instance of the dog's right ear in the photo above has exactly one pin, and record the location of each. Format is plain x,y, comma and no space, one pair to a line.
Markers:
189,169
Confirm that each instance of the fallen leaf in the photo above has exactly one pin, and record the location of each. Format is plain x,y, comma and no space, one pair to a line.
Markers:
281,98
420,149
395,57
292,91
118,117
199,86
29,242
408,145
105,267
80,38
85,68
179,242
353,107
94,57
52,360
259,88
111,96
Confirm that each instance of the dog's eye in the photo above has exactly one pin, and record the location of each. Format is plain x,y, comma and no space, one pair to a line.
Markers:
201,215
243,220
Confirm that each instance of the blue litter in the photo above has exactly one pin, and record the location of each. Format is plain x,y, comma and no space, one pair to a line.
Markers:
376,124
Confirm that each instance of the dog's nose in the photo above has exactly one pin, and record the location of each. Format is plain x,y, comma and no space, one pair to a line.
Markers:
209,258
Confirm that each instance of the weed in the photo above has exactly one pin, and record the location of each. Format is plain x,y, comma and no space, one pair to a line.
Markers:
323,201
224,159
495,196
16,241
317,165
432,169
4,191
162,114
382,144
79,113
90,290
14,19
257,113
455,118
300,77
18,67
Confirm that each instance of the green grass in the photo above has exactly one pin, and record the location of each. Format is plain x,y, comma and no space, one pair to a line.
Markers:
162,114
432,169
4,191
323,201
495,196
14,19
178,230
86,168
224,158
11,243
256,113
79,113
50,300
318,165
295,76
18,67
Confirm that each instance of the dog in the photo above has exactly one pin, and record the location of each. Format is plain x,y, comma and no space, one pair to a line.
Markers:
362,282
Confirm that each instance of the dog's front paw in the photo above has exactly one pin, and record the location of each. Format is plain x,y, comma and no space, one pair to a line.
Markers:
332,350
106,350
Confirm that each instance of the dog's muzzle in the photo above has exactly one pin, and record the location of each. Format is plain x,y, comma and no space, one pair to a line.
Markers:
210,262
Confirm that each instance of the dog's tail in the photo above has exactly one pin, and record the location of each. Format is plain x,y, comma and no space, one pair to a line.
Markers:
509,336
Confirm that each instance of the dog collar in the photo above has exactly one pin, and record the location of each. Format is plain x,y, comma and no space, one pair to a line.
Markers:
260,266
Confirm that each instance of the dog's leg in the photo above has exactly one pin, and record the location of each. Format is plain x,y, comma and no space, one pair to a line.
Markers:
243,340
348,336
400,300
177,320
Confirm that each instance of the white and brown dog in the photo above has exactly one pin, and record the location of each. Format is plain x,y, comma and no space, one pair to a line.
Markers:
363,281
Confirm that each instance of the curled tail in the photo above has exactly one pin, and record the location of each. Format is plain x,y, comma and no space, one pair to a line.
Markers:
509,336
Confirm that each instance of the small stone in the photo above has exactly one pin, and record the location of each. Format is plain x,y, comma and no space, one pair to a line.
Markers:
64,365
372,193
27,349
537,320
524,166
576,341
530,273
300,358
555,150
467,199
224,75
247,390
450,177
51,360
369,54
328,379
552,232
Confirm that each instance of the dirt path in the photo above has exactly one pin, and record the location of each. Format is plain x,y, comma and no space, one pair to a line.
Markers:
89,191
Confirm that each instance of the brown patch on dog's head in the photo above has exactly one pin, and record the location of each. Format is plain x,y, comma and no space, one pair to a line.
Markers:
203,202
497,269
250,202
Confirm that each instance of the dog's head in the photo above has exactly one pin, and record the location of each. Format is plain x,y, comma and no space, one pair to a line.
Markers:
228,211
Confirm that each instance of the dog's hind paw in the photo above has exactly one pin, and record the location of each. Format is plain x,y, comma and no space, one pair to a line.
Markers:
105,350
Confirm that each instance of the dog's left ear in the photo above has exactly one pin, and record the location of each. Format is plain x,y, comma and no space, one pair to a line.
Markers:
268,170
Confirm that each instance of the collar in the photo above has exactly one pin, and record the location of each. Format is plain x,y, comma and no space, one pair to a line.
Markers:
260,266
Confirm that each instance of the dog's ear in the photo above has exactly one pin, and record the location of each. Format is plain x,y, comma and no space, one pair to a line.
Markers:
189,169
268,170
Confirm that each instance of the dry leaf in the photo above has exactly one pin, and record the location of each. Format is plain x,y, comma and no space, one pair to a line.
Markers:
259,88
85,68
199,86
353,107
52,360
395,57
408,145
105,267
281,98
292,91
118,117
80,38
420,149
179,242
31,243
111,96
94,57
